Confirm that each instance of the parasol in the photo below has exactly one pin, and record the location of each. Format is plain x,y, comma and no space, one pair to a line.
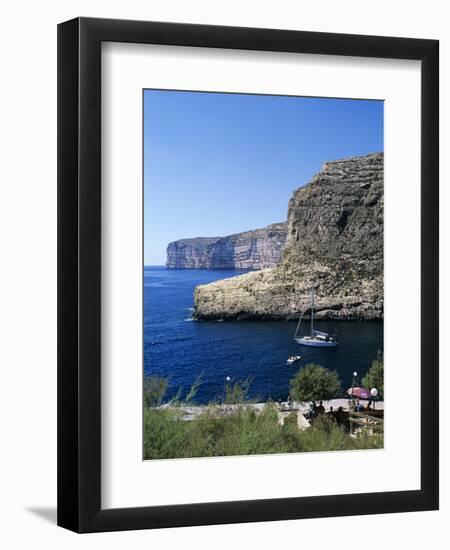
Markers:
359,393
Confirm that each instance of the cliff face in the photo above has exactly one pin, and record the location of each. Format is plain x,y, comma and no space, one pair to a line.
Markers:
334,244
255,249
190,253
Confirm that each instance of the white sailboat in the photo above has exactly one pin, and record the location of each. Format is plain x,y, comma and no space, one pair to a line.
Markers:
316,338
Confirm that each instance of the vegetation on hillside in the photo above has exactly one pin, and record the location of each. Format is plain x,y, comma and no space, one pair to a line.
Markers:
236,428
242,432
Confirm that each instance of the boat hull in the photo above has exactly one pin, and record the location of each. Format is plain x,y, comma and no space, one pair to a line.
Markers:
315,343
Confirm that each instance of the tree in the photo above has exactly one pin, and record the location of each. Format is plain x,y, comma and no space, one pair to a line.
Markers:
375,376
313,383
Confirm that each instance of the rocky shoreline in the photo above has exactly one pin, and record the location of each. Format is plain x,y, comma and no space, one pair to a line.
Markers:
334,244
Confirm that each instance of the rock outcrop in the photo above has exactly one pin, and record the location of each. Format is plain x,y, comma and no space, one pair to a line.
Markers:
334,244
255,249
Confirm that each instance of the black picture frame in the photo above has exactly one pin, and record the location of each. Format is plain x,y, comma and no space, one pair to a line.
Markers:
79,274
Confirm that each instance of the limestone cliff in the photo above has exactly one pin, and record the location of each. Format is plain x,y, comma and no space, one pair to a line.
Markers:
334,244
255,249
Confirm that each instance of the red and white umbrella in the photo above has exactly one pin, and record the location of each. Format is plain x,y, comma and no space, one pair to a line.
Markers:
359,393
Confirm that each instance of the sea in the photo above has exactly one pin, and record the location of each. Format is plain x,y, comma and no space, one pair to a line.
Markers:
180,349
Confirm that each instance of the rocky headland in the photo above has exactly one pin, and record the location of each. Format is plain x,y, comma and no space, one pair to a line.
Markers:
256,249
334,244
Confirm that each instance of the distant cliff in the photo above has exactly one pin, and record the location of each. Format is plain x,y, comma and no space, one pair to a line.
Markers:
334,244
254,249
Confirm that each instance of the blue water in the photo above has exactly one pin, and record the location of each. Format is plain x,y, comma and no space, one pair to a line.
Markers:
181,349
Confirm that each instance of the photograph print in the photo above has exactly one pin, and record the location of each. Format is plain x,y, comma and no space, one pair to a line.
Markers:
263,274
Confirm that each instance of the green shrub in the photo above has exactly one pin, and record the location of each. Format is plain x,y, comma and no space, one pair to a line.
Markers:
375,376
313,383
237,392
155,389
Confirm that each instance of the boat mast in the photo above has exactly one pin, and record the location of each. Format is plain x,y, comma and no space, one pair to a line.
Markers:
298,325
312,312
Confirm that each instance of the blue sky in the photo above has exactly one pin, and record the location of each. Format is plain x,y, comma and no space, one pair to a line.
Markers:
216,164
